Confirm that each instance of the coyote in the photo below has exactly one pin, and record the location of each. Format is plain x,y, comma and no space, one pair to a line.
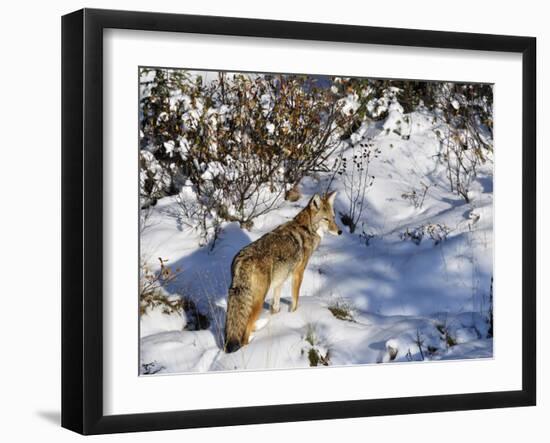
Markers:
269,261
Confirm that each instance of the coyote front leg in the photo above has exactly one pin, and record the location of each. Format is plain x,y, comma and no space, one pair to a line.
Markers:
297,277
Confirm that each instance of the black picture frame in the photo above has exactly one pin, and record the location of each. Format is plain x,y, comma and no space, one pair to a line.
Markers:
82,218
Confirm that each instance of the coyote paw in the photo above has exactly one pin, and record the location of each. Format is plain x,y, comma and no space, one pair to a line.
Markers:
275,309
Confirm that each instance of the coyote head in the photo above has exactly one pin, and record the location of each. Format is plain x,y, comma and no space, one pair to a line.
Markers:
321,209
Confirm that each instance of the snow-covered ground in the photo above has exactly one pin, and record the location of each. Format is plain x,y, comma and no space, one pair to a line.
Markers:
396,299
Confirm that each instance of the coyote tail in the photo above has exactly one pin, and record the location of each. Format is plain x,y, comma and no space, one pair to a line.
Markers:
239,308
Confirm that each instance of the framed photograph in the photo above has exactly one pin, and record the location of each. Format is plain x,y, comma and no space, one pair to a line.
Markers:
269,221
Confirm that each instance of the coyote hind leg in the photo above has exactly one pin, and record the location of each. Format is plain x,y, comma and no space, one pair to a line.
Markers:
276,302
297,277
256,311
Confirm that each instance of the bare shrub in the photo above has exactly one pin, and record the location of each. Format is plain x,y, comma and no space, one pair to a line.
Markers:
437,232
151,285
161,94
199,214
417,197
366,236
465,131
241,142
420,343
151,368
446,335
490,313
354,171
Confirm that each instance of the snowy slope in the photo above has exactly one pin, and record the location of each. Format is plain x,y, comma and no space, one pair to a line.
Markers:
402,300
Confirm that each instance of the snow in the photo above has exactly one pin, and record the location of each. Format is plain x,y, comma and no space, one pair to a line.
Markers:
404,297
155,321
350,104
169,146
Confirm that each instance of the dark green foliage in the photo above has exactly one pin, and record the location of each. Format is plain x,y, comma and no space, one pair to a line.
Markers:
316,359
341,311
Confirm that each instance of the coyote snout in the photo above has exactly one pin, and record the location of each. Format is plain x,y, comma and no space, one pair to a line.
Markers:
269,261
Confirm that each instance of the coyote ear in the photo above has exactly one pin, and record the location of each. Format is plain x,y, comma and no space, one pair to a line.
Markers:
315,202
331,197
